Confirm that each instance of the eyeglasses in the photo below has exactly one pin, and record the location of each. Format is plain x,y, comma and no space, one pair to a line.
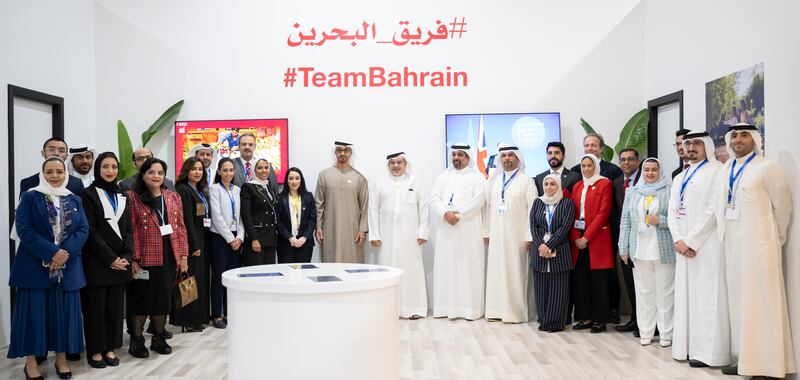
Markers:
628,159
689,143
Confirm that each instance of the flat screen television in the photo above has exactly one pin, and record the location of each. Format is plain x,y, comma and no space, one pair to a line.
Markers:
530,132
272,140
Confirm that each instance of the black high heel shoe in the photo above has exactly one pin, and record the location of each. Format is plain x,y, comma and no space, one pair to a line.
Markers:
63,375
28,377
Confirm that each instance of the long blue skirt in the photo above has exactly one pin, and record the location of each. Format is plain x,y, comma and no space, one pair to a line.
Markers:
46,320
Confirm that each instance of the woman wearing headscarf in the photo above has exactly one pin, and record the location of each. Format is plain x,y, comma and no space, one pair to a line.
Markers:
259,218
645,238
48,272
106,258
552,217
593,258
159,248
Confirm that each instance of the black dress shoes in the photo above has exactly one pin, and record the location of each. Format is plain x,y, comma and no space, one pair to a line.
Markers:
598,328
582,326
159,344
628,327
731,370
137,348
697,364
95,363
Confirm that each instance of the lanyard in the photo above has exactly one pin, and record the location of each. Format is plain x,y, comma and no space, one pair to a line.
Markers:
505,184
296,202
647,200
233,203
113,200
732,178
688,178
202,198
549,219
450,202
161,212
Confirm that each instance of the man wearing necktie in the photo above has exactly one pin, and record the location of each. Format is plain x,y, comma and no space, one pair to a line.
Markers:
681,153
243,166
629,163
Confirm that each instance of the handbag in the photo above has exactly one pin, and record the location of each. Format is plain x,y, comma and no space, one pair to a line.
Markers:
185,290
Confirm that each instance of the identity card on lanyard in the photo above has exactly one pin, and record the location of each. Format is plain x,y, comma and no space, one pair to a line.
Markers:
502,208
731,213
206,219
165,227
233,208
548,215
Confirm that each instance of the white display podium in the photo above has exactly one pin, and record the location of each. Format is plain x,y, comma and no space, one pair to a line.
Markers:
289,326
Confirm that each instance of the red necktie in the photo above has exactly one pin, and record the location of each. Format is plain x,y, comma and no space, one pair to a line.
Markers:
627,184
247,170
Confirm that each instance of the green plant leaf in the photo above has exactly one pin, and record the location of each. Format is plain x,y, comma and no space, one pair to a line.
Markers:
634,133
608,153
166,118
126,168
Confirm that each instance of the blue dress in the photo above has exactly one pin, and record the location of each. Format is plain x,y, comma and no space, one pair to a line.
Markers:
47,313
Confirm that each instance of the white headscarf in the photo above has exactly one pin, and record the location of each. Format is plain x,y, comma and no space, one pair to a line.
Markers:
344,144
756,138
254,179
463,148
45,187
651,189
398,155
588,181
87,178
504,147
707,141
548,200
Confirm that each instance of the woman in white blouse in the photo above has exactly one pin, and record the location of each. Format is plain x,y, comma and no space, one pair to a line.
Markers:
227,235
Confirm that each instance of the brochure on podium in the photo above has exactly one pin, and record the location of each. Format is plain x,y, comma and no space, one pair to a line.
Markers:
303,266
264,274
365,270
324,278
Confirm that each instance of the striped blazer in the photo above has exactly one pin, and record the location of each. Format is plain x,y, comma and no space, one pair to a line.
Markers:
563,219
629,225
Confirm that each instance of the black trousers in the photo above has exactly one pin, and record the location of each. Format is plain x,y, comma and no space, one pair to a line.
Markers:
552,298
288,254
102,308
222,259
613,285
627,275
590,291
251,258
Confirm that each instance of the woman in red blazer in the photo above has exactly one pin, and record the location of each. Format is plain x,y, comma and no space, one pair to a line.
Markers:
592,252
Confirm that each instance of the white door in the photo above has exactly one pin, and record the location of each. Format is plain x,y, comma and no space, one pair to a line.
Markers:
669,122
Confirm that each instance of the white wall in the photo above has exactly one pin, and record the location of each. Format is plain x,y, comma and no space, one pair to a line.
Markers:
226,59
689,43
47,46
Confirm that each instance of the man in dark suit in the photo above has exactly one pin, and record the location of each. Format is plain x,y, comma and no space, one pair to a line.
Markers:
53,147
629,162
593,143
244,167
681,153
555,158
139,156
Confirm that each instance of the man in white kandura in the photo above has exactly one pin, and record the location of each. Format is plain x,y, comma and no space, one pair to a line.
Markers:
753,214
509,197
398,225
701,326
459,262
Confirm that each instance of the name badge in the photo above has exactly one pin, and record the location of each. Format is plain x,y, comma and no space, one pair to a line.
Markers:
165,229
502,209
546,237
233,226
731,214
580,224
206,222
201,209
681,213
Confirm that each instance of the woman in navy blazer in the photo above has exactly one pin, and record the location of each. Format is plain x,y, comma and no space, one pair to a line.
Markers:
297,218
48,272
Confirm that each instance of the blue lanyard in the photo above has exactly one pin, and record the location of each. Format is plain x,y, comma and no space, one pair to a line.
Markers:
450,202
161,212
549,218
233,202
688,178
732,178
505,184
202,198
113,200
